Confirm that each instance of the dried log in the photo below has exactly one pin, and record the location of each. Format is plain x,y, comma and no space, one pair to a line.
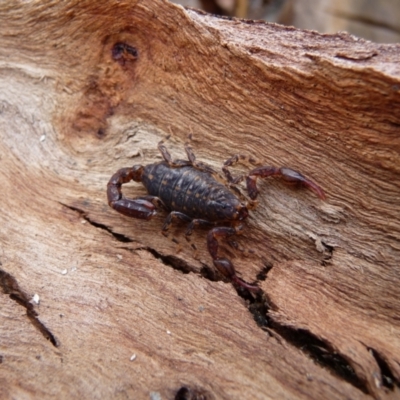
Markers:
87,88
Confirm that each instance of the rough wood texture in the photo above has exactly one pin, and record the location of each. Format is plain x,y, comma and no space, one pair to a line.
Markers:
110,287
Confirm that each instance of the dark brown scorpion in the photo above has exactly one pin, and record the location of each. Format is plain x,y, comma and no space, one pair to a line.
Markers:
188,190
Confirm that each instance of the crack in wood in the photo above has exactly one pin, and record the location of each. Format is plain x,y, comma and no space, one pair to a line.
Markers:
319,351
120,237
262,275
327,254
316,348
259,305
9,285
169,260
193,393
388,379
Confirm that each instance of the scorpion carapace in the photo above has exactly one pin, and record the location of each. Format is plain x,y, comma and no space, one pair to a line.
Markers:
188,190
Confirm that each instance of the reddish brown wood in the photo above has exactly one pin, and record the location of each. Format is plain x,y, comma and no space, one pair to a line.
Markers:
122,312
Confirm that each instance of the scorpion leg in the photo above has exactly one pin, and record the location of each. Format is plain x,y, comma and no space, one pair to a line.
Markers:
234,160
142,208
184,163
197,164
289,175
224,266
167,157
173,216
244,251
195,223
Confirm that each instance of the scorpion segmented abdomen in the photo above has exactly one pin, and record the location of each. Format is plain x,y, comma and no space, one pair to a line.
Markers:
179,189
156,179
198,188
184,189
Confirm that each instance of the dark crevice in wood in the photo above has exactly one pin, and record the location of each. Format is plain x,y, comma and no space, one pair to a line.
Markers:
328,254
320,352
169,260
259,309
316,349
83,214
188,393
262,275
208,273
9,285
120,237
388,379
258,306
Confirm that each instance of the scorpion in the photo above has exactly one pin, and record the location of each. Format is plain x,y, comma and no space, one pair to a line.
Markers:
189,191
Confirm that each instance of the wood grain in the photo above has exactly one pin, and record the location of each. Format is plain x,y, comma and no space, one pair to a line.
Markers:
125,312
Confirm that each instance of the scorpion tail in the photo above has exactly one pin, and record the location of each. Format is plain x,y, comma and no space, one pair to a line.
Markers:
226,268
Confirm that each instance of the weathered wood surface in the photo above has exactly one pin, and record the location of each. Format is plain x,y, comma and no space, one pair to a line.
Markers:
110,287
376,20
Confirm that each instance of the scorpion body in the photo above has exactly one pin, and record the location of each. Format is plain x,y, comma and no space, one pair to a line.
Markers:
188,190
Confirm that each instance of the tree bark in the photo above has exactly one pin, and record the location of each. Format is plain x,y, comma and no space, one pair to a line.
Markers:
121,311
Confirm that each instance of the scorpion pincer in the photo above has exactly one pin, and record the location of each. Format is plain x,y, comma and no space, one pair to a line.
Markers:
188,190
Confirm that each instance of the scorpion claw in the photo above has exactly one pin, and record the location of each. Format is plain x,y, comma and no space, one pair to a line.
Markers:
134,208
